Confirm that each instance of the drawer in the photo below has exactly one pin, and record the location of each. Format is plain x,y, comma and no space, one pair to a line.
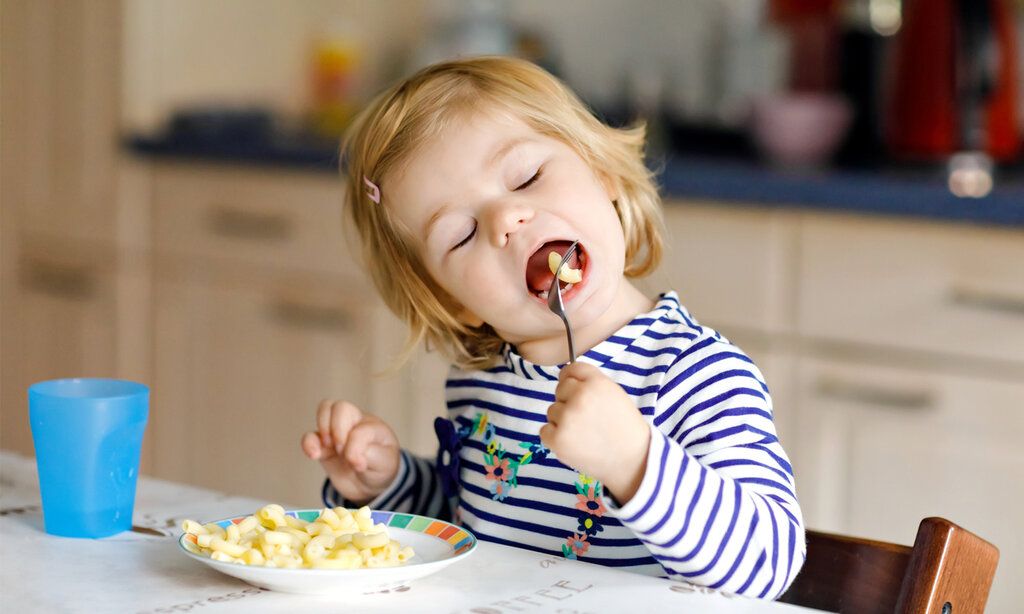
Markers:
882,447
269,218
732,266
955,290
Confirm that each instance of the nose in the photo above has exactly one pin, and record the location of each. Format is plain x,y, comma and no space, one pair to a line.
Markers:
505,219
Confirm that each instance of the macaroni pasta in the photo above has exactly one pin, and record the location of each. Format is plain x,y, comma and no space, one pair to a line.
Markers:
338,539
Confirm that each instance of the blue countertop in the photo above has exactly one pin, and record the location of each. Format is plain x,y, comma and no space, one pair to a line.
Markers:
917,193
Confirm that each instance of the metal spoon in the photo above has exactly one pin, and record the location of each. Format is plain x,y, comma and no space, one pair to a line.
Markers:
555,300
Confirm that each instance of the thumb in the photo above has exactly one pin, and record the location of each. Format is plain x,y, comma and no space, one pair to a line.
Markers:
580,371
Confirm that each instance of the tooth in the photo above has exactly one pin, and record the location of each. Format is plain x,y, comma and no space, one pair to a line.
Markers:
569,275
543,294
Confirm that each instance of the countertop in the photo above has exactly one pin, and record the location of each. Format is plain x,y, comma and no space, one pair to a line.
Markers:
915,192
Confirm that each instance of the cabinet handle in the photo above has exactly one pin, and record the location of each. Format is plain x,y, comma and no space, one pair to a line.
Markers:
866,394
299,315
75,283
234,223
987,300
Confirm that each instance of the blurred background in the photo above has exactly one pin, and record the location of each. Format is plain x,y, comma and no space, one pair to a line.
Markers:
844,199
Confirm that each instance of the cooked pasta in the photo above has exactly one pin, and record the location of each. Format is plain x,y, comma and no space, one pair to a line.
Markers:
338,539
568,274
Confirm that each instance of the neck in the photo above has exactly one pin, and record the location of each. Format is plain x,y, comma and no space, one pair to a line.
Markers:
628,303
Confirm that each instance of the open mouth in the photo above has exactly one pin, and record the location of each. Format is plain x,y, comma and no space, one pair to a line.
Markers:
538,267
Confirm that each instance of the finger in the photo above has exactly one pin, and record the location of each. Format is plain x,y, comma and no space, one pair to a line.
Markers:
566,389
555,413
310,444
579,371
344,416
312,448
360,438
323,422
547,435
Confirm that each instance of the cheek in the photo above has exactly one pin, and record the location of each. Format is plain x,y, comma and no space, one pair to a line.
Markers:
470,283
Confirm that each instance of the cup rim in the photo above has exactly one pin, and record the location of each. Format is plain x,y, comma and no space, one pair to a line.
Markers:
123,389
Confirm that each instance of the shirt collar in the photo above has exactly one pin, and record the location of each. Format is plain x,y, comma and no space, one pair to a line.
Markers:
610,348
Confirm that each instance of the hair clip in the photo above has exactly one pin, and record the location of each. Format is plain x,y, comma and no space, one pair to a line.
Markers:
373,192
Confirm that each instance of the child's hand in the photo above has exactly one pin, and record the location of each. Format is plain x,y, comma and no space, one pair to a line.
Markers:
358,451
595,427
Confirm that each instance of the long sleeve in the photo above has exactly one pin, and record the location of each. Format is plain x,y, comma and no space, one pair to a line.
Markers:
416,489
717,504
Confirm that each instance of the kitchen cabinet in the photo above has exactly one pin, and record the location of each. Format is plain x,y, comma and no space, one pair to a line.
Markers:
61,106
883,447
733,267
272,219
64,302
240,367
894,351
261,311
61,260
942,289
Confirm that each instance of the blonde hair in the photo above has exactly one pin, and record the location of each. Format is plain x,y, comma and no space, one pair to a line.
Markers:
410,113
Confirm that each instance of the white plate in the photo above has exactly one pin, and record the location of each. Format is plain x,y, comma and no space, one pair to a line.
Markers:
436,543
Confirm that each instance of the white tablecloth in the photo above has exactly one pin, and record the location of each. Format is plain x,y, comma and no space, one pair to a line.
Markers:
144,571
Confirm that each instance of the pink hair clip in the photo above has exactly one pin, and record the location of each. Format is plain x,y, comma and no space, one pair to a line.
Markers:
373,192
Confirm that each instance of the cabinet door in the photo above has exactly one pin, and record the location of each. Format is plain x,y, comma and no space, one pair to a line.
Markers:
732,266
268,218
61,107
946,289
778,366
240,367
885,447
63,309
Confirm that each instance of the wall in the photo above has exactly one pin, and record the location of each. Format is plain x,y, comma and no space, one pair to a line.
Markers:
700,55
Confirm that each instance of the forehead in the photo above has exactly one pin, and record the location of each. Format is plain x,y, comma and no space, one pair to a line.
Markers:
432,175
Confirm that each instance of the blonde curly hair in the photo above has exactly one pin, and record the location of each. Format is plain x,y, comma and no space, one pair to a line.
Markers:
410,113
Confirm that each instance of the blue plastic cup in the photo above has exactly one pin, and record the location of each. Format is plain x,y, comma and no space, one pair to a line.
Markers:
88,435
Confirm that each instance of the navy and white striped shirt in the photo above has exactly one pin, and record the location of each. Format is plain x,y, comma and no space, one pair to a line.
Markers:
717,505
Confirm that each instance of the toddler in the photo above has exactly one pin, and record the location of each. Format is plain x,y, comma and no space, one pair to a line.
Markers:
655,451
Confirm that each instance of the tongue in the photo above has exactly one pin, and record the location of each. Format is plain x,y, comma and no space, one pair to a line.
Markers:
538,274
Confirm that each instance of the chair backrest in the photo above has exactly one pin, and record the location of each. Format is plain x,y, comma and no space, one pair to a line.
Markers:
947,565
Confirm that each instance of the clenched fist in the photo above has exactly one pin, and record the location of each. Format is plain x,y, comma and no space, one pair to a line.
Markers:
595,427
359,451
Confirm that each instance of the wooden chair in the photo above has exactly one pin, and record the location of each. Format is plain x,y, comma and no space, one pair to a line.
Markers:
948,571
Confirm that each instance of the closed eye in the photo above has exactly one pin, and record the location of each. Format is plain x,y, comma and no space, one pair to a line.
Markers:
531,180
465,240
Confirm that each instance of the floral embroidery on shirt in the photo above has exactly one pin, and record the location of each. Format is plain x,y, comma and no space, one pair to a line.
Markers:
500,490
497,467
447,463
575,545
589,503
502,471
449,444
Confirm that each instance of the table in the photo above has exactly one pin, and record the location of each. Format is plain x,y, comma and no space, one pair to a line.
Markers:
143,570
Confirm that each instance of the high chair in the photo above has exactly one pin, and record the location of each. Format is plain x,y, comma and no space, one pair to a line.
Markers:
948,571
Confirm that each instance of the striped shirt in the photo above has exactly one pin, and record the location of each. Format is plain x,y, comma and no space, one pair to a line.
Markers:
716,505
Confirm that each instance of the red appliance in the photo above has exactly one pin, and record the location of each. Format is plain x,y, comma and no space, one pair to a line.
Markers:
953,81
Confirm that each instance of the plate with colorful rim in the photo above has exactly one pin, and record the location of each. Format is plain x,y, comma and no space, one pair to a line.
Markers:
436,543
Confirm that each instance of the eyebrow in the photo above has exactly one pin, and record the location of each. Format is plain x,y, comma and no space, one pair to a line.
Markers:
498,154
433,219
506,147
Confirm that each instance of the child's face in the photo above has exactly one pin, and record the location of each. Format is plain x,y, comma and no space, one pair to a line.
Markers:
479,210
